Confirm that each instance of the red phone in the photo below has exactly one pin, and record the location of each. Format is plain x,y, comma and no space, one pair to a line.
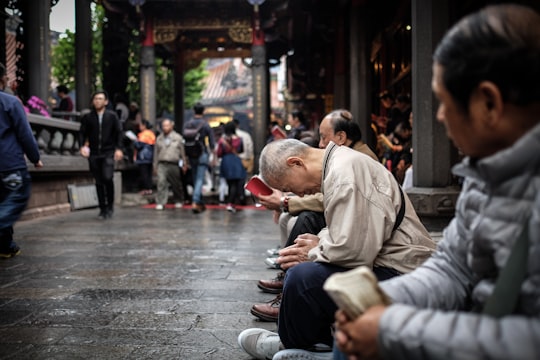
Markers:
258,187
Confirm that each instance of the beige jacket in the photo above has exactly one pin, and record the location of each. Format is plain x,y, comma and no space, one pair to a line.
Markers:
314,202
169,149
361,202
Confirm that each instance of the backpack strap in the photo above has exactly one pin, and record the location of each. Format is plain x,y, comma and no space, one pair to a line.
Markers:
401,213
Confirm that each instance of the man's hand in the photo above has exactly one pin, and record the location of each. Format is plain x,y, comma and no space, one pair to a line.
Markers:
38,165
85,151
118,155
358,338
297,253
272,201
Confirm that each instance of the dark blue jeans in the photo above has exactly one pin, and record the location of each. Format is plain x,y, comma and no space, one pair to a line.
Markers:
198,167
307,313
15,187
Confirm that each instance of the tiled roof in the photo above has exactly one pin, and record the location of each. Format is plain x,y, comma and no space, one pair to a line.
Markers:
229,81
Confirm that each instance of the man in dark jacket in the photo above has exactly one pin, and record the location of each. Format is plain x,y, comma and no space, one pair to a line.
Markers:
16,140
100,138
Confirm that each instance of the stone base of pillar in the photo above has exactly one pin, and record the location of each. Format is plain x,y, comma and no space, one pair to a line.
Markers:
439,202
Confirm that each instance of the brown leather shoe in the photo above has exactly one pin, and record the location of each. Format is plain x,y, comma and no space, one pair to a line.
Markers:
268,311
198,208
274,286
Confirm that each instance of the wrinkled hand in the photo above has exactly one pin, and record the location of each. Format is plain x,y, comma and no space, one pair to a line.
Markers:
118,155
297,253
358,338
272,201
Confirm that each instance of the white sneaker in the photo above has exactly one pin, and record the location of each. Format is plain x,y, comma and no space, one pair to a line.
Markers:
178,205
271,262
260,343
291,354
159,207
273,252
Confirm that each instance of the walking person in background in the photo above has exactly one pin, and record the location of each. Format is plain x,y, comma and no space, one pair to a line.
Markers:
16,140
169,160
144,155
200,161
247,156
100,138
231,168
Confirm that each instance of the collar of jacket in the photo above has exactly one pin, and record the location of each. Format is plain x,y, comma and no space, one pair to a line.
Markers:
328,152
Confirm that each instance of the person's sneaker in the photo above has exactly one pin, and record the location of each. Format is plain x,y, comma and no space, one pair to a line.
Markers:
102,214
273,252
231,208
10,252
260,343
274,286
290,354
159,207
271,263
268,311
178,205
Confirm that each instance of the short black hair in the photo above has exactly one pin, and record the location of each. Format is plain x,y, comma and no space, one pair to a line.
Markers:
2,70
62,89
100,92
198,108
499,43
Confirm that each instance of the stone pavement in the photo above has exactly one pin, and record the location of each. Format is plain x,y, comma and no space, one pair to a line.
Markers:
143,285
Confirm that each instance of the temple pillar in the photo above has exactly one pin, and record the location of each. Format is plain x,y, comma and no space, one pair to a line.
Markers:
148,75
359,70
261,92
37,40
83,53
432,154
179,89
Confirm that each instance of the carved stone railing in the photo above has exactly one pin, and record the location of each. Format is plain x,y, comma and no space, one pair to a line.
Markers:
58,141
55,136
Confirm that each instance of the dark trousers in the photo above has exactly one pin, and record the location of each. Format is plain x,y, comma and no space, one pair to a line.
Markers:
235,191
145,176
15,189
102,168
307,313
308,222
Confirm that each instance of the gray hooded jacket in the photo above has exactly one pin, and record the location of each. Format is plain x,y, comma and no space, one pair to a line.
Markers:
430,318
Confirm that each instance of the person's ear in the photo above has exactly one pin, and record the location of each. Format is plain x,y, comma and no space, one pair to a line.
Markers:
293,161
342,137
491,102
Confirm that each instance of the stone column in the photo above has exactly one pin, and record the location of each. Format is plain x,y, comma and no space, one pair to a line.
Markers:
260,88
359,70
38,76
432,149
179,89
148,76
83,53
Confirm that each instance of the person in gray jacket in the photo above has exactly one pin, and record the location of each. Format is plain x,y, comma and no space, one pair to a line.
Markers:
169,159
486,75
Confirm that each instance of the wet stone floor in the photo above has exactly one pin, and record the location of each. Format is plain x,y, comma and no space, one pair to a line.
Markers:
144,285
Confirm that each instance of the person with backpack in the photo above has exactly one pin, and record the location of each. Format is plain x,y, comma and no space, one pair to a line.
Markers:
197,133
